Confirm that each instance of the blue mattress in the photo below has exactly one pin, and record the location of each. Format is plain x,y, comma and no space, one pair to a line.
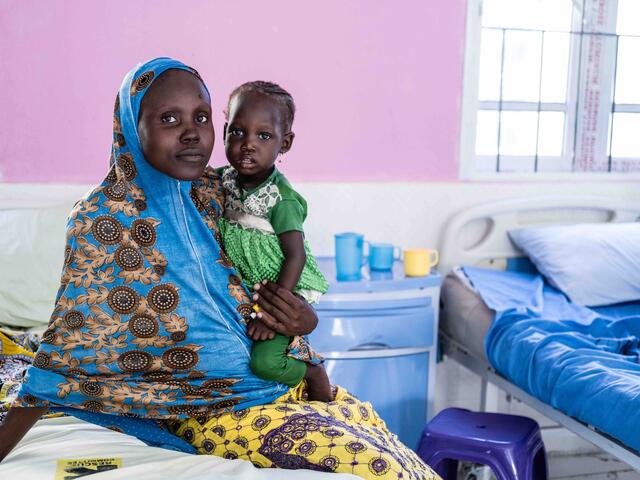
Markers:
582,361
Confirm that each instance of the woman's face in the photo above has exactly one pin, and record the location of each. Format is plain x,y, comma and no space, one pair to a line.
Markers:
175,129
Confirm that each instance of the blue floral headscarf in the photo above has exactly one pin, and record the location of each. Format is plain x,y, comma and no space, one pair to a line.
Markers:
150,318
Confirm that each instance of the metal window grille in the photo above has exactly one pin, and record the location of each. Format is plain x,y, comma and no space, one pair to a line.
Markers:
590,112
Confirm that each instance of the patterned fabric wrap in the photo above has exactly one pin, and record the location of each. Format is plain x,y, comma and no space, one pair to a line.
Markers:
16,354
344,436
150,318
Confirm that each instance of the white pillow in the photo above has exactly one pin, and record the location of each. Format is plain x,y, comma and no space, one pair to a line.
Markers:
593,264
31,256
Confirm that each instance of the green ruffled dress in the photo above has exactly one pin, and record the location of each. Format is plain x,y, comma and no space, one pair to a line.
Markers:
253,220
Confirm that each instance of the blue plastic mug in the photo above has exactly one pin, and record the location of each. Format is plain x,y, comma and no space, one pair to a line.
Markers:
350,256
382,256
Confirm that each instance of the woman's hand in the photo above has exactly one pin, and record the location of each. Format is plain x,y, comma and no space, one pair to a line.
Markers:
282,311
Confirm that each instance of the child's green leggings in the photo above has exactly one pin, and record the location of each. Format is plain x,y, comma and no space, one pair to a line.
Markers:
269,361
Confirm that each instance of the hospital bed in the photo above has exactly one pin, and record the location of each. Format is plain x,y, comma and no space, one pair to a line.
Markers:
478,237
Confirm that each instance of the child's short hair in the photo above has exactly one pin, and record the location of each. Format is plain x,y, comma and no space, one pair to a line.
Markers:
273,90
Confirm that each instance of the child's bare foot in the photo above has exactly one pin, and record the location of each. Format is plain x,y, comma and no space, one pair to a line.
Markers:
318,385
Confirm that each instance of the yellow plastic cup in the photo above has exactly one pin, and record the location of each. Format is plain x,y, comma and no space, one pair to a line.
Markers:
418,262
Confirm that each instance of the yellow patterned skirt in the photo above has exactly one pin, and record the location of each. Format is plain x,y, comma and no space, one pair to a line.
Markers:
344,436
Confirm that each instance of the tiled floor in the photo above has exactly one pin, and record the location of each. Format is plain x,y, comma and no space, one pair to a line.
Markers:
598,466
592,466
570,458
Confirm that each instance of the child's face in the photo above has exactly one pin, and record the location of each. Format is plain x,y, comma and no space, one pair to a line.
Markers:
175,126
254,134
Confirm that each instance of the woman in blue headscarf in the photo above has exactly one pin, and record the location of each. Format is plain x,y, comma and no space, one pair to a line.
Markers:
150,319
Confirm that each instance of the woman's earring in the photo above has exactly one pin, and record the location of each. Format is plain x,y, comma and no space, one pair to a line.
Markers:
280,159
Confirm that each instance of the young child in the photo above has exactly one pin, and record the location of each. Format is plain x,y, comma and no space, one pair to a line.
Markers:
262,230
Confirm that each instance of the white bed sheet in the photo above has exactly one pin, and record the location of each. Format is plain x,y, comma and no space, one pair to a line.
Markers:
52,439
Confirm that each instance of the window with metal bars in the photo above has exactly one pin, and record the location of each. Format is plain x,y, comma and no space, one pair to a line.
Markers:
551,86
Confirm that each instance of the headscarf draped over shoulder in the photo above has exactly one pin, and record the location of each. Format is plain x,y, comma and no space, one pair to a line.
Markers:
149,321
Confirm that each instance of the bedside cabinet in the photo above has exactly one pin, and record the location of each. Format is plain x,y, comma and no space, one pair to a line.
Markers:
378,337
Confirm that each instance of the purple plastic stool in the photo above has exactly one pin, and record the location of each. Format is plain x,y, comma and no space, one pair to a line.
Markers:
511,445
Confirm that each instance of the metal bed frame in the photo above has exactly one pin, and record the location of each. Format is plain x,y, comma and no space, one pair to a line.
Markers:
481,367
478,236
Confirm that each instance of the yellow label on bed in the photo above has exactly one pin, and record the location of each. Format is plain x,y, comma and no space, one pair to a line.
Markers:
69,468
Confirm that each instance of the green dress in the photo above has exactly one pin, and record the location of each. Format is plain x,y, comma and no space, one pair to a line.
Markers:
252,221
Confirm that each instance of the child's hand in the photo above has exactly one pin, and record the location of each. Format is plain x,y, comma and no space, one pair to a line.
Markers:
259,331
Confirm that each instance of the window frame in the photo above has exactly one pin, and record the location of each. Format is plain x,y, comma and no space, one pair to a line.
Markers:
468,160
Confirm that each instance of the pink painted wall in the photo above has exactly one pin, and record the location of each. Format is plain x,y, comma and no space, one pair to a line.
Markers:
377,83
